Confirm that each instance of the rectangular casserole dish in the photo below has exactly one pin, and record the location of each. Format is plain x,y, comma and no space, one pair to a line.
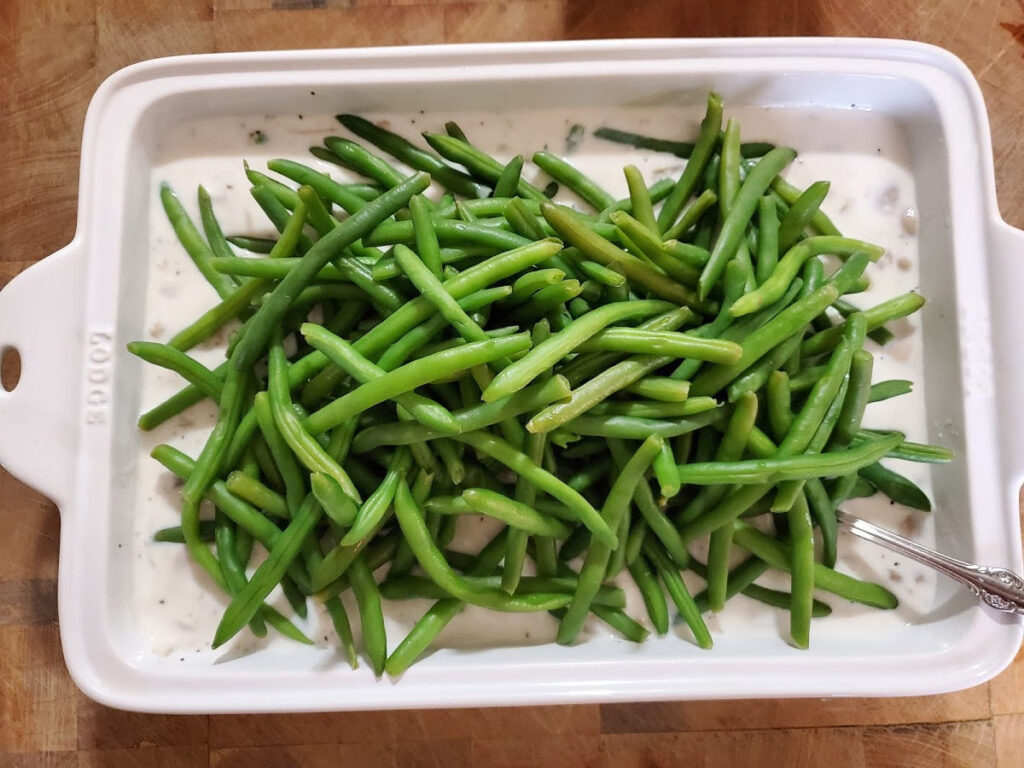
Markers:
68,428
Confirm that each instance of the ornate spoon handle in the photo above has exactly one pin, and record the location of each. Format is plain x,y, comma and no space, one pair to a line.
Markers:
997,587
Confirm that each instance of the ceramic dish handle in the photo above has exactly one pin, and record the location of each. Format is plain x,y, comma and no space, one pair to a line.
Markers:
1007,291
41,318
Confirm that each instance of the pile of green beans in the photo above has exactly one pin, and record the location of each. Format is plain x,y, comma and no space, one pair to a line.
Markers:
611,387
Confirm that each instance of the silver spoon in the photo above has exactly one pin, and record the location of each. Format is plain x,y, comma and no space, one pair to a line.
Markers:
996,587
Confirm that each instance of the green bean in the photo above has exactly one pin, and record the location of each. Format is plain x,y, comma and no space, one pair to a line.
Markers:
194,372
338,505
211,227
661,388
658,191
876,316
651,592
767,239
232,570
789,321
342,195
450,233
690,215
777,556
242,513
896,486
681,149
757,375
268,195
174,534
478,163
729,168
883,390
655,410
435,619
788,194
856,400
800,214
611,380
516,514
371,614
269,269
422,634
508,181
369,519
632,428
775,285
602,251
357,158
570,177
734,225
802,570
429,286
295,598
245,604
677,590
780,414
362,370
824,513
299,439
601,274
196,247
343,629
551,350
880,335
426,238
215,318
920,452
666,343
468,420
641,205
411,155
418,587
596,561
411,375
522,221
282,460
699,157
756,477
252,244
256,493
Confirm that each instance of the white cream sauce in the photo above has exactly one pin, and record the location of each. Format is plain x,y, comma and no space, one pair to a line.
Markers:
863,154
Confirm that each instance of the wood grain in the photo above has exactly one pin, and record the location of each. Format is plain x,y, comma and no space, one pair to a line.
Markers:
56,54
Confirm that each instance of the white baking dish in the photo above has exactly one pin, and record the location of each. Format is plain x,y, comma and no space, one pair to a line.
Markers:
68,428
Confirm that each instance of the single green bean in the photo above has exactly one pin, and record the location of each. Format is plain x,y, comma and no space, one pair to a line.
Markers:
883,390
371,614
572,178
896,486
508,181
699,157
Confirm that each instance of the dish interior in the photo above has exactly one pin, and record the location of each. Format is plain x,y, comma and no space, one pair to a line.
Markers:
880,143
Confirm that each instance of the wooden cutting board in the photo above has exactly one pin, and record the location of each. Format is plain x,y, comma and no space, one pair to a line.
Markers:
56,52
